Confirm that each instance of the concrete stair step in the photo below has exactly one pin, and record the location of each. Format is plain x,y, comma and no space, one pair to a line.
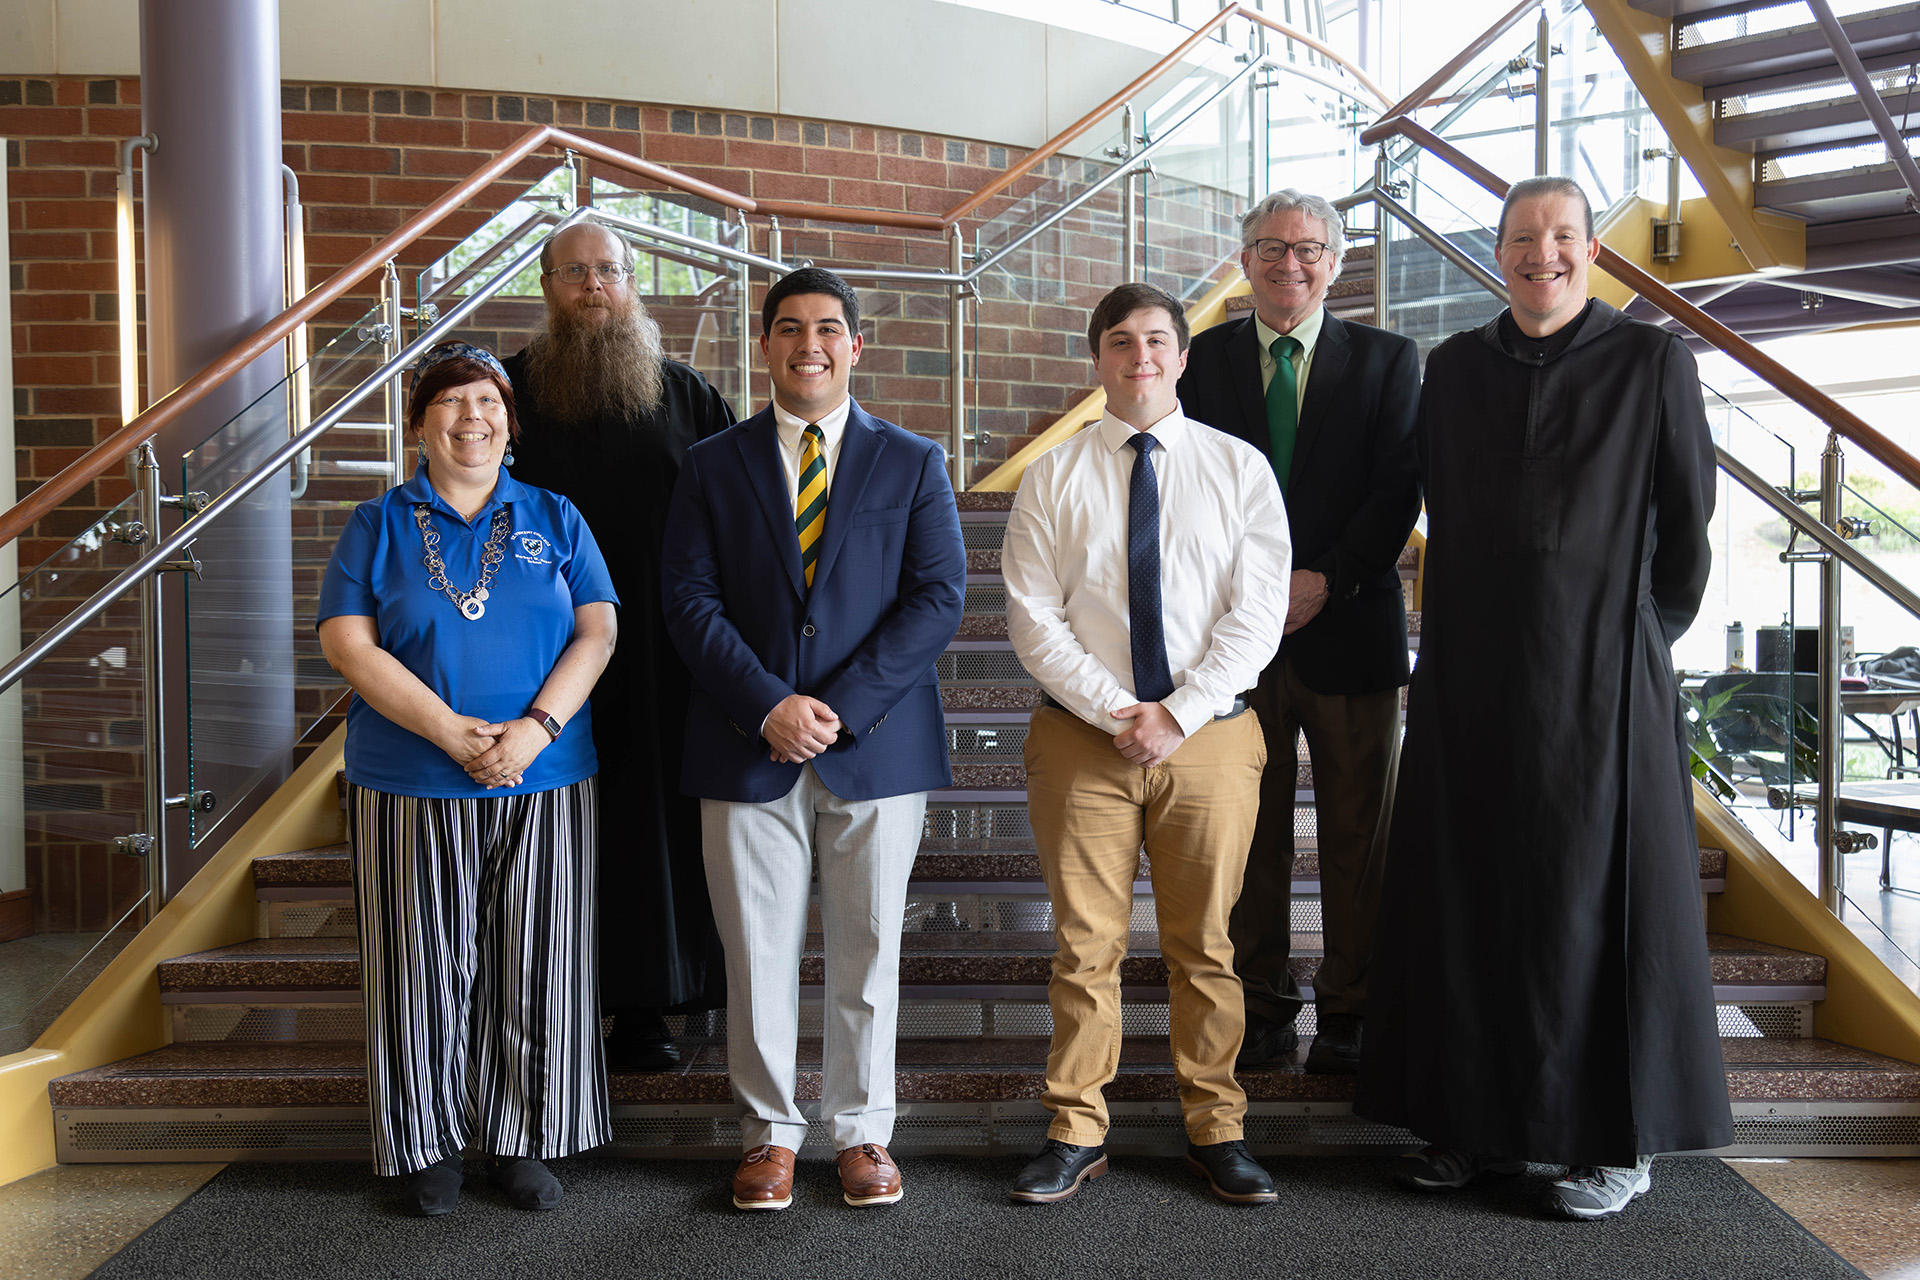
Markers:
214,1075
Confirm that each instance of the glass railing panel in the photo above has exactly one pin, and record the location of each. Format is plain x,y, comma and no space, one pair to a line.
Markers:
477,260
1429,298
256,681
72,781
1748,691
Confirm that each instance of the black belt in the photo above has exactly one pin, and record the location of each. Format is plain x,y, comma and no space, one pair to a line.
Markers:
1239,705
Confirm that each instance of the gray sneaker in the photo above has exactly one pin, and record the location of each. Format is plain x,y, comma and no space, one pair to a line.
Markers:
1439,1168
1600,1191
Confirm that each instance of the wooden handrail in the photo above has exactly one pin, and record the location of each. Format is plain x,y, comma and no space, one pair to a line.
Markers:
1717,335
1481,43
103,456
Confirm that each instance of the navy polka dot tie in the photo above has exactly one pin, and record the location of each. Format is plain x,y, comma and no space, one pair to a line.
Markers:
1152,682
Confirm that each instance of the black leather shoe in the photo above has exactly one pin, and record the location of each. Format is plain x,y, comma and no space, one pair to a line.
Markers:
640,1041
1057,1172
1265,1041
1336,1045
435,1189
1235,1176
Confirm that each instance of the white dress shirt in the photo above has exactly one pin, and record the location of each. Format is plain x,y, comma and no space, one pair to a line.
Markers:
1225,554
792,428
1307,334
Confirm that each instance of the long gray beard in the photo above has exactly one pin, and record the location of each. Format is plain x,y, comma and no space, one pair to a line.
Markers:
582,372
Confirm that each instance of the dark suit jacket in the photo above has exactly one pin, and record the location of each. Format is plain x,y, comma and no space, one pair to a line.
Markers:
886,599
1354,491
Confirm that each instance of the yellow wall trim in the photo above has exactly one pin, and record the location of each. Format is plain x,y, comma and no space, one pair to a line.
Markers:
119,1014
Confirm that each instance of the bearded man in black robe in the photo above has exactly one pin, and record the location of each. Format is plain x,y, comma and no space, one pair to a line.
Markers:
1540,989
605,419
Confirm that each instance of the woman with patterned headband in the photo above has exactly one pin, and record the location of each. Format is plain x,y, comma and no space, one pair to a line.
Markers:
472,614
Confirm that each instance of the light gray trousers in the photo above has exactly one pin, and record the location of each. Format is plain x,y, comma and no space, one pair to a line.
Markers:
759,872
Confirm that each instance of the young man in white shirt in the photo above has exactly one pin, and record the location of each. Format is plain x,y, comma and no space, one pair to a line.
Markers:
1147,564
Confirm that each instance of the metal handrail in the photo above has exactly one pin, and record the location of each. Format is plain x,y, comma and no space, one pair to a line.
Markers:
197,524
1453,66
111,451
1711,331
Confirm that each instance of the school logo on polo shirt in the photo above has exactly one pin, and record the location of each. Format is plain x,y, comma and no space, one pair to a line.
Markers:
532,547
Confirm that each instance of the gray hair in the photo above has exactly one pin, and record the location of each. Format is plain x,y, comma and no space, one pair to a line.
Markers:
1547,185
1286,200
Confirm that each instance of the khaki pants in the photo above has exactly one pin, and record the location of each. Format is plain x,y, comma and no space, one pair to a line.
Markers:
1091,812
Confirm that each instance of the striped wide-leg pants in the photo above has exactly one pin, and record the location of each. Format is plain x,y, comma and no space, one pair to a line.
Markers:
478,947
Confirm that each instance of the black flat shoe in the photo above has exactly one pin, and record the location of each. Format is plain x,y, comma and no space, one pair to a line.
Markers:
1057,1172
527,1183
1336,1046
640,1041
1234,1176
1265,1043
435,1189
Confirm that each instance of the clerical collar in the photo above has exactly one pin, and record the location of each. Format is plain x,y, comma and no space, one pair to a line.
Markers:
1537,351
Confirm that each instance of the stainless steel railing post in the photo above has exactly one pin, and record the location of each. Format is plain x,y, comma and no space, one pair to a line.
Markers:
743,408
1380,238
1542,108
957,362
153,684
1833,866
391,341
1129,199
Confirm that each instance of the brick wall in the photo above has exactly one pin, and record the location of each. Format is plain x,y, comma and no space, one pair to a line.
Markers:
367,158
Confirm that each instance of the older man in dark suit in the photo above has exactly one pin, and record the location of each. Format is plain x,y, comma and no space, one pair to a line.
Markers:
1332,404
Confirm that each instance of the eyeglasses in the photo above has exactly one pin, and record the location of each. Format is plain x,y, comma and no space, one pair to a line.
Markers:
575,272
1305,252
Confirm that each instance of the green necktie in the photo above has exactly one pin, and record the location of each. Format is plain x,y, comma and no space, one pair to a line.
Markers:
1283,408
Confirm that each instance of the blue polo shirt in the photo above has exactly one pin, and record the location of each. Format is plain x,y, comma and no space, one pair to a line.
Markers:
491,667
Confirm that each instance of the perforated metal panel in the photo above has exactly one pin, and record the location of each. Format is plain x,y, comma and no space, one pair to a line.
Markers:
1792,1021
1826,1128
85,1136
1002,825
983,535
256,1023
981,668
1001,744
984,597
313,919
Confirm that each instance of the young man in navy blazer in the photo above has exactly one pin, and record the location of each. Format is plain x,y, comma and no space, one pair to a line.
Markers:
812,572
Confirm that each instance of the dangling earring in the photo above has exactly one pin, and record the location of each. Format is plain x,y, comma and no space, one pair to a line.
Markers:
507,461
421,456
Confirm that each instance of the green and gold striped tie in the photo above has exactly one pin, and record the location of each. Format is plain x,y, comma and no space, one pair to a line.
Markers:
810,504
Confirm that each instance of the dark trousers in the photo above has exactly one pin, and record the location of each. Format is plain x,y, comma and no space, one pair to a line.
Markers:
1354,741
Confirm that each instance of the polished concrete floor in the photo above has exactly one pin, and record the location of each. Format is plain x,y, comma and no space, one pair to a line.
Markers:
63,1223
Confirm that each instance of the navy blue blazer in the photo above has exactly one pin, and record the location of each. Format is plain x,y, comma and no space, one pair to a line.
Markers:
886,600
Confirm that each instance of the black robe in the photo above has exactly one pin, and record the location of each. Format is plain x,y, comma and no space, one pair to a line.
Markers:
658,946
1541,988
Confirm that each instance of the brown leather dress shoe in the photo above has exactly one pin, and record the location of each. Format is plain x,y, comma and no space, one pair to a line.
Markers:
868,1176
764,1178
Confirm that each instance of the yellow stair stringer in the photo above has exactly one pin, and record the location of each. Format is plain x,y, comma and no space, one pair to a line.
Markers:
1210,310
1866,1005
120,1014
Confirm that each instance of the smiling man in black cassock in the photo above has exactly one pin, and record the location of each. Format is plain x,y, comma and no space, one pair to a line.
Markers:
1540,988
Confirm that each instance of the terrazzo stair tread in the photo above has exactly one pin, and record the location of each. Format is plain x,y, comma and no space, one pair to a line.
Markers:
1409,558
983,626
217,1073
1746,961
985,697
279,964
328,865
1012,778
966,1069
984,561
1810,1070
975,500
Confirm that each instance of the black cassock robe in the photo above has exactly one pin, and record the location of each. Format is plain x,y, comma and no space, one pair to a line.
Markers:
658,947
1540,987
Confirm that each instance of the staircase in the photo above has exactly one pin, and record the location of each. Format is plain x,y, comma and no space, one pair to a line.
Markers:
266,1060
1774,90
